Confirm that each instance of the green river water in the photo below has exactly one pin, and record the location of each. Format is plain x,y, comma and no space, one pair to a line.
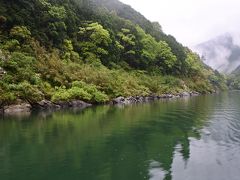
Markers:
183,139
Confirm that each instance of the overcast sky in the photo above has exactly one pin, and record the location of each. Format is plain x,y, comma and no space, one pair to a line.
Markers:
191,21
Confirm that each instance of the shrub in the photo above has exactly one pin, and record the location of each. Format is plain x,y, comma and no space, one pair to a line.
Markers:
29,92
100,97
96,95
61,95
79,93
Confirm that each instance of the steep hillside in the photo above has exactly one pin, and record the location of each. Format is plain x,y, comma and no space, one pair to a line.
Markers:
233,81
91,50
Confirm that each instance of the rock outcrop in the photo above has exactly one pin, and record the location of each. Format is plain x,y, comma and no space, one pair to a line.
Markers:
140,99
19,108
45,104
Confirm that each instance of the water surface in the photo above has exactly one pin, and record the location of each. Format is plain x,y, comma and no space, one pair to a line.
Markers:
185,139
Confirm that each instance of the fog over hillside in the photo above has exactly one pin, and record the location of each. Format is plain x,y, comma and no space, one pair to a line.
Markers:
191,22
221,53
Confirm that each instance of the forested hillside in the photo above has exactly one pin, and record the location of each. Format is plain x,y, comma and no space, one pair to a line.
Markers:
92,50
233,81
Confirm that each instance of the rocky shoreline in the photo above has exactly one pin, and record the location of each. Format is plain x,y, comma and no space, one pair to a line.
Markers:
48,105
142,99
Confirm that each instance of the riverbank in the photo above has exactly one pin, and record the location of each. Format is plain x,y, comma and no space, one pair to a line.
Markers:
24,107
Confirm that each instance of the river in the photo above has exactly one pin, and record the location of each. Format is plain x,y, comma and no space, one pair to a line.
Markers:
183,139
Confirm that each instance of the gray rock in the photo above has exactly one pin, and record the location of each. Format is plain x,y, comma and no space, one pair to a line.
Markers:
177,96
119,100
128,102
19,108
141,99
194,93
79,104
166,96
48,105
74,104
45,104
185,94
133,100
170,96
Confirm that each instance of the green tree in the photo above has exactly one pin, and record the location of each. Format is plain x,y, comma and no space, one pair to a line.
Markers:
156,53
20,67
68,52
193,63
29,92
20,33
93,41
166,59
127,44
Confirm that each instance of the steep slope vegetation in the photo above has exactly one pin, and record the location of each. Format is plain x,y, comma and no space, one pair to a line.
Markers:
233,80
92,50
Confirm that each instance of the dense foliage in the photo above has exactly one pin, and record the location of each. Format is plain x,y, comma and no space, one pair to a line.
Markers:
93,50
233,81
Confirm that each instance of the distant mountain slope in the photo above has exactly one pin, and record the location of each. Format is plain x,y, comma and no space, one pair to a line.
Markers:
236,71
221,53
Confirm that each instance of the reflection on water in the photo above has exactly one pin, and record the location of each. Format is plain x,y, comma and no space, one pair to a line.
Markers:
196,138
155,171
